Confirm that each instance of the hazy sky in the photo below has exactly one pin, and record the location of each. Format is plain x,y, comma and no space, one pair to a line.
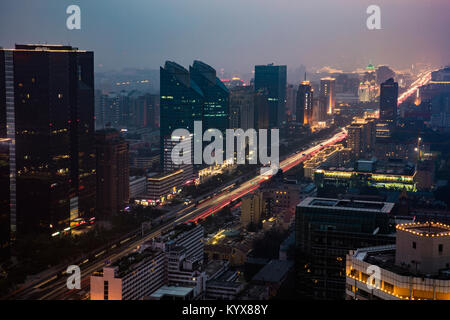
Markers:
237,34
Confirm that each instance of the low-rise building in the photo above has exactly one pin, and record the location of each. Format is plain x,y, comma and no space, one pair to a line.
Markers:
252,209
163,186
273,274
138,186
131,277
392,174
417,267
172,293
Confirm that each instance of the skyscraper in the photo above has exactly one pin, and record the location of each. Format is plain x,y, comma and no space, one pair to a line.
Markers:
262,110
328,93
47,110
215,113
5,218
112,172
304,109
242,107
273,80
181,102
291,101
188,96
388,101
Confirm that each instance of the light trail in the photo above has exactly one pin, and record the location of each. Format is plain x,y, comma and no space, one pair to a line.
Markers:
285,165
422,80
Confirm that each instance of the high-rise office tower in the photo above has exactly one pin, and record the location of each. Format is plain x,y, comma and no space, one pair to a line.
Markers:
262,110
291,101
273,79
112,172
215,113
388,101
242,108
304,109
47,110
100,109
328,93
320,106
188,96
181,102
5,210
355,140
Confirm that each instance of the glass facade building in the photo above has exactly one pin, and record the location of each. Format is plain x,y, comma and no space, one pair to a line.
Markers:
215,96
47,104
188,96
388,100
272,79
325,230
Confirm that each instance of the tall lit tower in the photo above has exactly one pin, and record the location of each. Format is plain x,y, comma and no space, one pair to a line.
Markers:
328,93
304,106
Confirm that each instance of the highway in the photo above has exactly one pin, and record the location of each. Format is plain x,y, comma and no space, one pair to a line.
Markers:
55,288
422,79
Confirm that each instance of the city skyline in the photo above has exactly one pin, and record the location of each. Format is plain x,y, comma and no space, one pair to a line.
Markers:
135,140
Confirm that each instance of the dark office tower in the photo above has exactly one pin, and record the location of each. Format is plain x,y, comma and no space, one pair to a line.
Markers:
291,101
5,210
123,101
319,108
153,109
328,93
112,110
242,107
388,101
100,109
325,231
215,114
181,102
48,98
112,172
273,80
304,106
262,110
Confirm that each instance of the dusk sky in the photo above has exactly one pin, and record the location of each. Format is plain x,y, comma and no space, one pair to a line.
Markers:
237,34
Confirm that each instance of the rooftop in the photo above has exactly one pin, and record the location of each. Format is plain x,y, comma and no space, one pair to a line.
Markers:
427,229
359,205
177,231
171,291
390,167
384,257
274,271
132,260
